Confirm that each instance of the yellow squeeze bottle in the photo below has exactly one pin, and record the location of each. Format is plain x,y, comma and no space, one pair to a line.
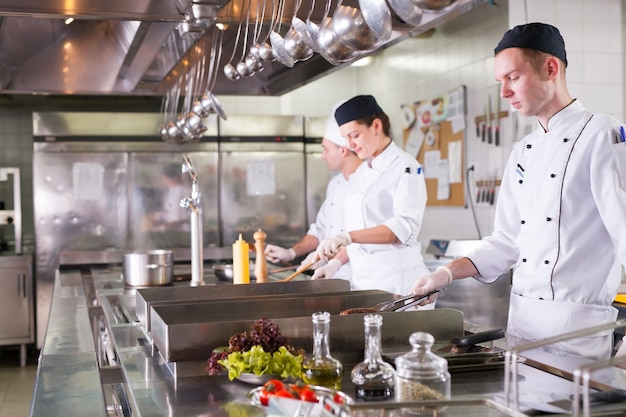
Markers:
241,262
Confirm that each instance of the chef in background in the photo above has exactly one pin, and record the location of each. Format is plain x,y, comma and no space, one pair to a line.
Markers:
330,218
384,206
561,213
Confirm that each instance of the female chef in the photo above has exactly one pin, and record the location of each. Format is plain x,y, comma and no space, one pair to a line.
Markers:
384,206
561,213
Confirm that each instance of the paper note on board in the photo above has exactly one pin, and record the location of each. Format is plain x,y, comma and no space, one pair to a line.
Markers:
415,141
443,181
261,178
431,164
87,181
454,161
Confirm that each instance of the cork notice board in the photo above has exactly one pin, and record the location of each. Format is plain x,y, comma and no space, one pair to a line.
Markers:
434,131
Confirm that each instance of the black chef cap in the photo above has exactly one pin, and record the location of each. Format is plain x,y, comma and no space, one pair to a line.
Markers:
357,108
538,36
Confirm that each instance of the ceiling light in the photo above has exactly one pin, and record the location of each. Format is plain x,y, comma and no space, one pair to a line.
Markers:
69,20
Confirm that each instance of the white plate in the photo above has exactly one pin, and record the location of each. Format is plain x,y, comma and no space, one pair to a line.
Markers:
253,379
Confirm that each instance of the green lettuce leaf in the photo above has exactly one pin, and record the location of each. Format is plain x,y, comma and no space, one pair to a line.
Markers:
259,362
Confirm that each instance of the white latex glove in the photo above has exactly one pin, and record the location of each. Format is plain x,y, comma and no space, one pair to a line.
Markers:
438,280
311,258
276,254
329,247
327,271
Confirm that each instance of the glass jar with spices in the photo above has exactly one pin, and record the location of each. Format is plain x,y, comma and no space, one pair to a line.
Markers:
420,374
322,369
373,378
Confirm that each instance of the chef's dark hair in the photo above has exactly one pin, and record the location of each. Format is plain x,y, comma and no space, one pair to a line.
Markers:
384,119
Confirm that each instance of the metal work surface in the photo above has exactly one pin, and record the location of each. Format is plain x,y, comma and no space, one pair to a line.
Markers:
69,379
68,384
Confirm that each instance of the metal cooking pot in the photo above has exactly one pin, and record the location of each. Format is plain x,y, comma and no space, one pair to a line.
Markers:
147,268
224,272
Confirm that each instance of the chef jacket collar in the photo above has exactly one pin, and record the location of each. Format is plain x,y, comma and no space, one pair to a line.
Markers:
384,159
560,120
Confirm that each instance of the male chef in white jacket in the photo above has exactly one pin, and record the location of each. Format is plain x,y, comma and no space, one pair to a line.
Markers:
330,218
561,214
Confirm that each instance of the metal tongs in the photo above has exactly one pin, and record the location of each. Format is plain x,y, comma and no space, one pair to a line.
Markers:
403,303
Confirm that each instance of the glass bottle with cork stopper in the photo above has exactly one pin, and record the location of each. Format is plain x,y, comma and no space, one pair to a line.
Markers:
322,369
373,378
260,264
241,261
421,374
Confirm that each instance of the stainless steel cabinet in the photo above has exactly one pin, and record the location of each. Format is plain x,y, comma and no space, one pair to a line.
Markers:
16,302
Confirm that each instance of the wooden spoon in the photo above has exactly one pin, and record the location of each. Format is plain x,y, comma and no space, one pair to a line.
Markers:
295,274
284,268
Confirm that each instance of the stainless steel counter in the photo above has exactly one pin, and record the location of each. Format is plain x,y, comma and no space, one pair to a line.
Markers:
75,376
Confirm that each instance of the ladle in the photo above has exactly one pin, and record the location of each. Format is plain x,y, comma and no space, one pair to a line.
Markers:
330,46
229,69
242,68
312,28
196,106
300,29
253,60
278,47
209,101
351,30
265,49
314,32
408,11
295,47
377,17
194,126
169,130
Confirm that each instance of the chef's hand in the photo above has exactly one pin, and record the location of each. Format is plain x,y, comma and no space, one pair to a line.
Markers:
312,257
438,280
327,271
276,254
329,247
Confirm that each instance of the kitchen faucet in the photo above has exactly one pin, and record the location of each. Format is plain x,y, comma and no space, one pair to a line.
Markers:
193,203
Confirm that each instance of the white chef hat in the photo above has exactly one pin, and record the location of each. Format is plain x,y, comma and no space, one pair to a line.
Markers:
332,132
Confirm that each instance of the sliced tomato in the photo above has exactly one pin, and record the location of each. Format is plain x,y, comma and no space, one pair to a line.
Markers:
264,397
338,398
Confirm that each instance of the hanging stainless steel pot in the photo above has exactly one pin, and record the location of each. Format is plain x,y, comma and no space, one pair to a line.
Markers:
147,268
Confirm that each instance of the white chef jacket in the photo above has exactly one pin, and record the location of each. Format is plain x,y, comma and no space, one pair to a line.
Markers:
330,219
390,191
560,221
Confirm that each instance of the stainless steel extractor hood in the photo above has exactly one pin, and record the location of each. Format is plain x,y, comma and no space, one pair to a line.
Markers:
144,47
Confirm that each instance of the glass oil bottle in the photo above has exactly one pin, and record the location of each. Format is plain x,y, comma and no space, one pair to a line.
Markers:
373,378
322,369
